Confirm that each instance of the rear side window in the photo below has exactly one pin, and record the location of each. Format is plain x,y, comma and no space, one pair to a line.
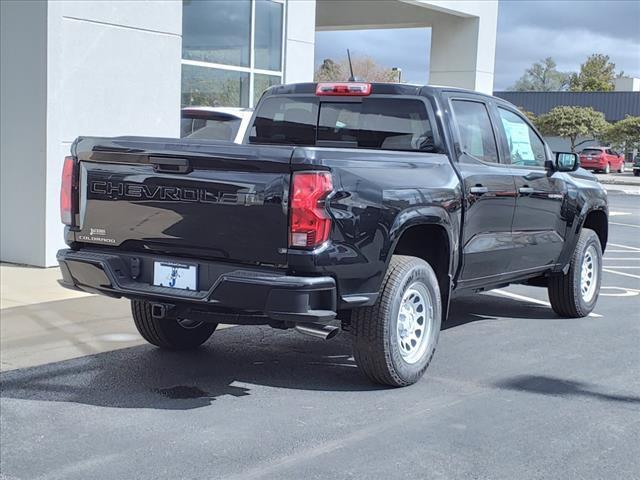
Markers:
378,123
591,151
476,133
285,121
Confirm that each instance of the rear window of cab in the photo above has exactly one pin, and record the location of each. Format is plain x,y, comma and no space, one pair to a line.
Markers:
371,122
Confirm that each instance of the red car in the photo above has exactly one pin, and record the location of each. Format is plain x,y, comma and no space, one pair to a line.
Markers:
602,159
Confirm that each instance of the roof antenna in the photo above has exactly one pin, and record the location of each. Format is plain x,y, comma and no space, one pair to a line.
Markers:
351,78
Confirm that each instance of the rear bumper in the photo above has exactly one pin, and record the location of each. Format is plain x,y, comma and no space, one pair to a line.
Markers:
593,165
237,291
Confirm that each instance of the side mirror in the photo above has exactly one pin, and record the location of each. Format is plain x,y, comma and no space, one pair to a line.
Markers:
567,162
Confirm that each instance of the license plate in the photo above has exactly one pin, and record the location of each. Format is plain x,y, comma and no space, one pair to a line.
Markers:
175,275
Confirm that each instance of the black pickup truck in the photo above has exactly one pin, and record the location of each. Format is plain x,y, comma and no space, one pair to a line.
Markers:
368,206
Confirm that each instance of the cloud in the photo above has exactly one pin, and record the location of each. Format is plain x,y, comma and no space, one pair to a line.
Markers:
528,31
518,49
567,31
388,47
618,19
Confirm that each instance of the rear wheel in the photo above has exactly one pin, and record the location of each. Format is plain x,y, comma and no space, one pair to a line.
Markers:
169,333
576,293
395,339
636,173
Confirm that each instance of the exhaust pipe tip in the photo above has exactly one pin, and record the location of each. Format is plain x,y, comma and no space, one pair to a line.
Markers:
318,330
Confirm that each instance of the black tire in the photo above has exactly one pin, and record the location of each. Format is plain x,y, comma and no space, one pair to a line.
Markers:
565,292
636,173
167,332
374,329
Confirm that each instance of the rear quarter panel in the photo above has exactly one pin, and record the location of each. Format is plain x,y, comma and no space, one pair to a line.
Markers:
378,195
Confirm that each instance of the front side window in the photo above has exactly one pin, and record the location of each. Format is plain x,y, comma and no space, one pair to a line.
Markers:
476,133
525,147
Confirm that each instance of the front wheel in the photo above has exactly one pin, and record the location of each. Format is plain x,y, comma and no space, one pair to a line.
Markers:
575,294
169,333
395,339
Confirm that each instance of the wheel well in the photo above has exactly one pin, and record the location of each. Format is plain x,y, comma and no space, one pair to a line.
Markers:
596,220
430,243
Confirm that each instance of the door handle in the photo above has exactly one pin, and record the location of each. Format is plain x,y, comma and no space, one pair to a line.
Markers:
170,165
478,190
526,190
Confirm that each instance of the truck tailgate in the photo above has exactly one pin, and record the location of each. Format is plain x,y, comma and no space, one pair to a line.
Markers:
211,200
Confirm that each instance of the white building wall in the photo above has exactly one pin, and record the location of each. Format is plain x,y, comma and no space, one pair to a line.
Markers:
112,68
463,43
300,37
23,85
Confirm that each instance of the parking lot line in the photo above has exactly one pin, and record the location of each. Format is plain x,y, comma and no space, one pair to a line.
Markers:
612,259
515,296
621,273
625,267
624,224
635,249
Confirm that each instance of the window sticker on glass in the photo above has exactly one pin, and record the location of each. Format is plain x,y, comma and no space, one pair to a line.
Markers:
519,141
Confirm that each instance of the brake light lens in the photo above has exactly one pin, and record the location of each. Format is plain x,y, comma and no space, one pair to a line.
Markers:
347,89
66,191
310,223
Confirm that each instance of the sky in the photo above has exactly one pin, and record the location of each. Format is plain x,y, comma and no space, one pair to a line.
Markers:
528,31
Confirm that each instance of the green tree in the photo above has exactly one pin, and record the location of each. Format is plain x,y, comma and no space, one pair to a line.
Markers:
328,71
573,122
596,75
364,69
542,76
530,115
624,134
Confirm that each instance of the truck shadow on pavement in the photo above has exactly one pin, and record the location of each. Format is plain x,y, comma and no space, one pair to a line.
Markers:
545,385
233,363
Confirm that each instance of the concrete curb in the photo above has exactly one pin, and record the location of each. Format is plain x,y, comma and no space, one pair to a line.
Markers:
620,182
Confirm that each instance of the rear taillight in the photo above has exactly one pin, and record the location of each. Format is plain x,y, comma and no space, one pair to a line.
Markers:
310,223
66,191
348,89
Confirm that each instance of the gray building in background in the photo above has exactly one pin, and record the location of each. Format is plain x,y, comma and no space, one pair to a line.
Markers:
614,105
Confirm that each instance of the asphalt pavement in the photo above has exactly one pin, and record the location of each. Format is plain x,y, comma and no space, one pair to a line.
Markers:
514,392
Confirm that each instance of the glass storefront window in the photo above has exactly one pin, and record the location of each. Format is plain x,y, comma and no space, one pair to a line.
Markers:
261,83
268,42
203,86
229,57
217,31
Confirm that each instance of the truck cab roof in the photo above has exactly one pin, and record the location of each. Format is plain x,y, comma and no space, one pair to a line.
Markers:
376,88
